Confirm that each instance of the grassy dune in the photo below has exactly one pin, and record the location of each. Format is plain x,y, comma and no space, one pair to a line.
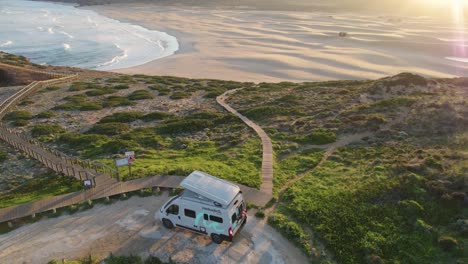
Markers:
398,195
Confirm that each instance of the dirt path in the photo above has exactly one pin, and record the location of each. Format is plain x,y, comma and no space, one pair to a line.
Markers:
330,148
129,227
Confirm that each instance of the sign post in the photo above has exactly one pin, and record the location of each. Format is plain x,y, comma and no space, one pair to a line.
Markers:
120,163
130,155
127,161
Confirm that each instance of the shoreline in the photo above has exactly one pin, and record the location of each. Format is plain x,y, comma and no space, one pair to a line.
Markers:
269,46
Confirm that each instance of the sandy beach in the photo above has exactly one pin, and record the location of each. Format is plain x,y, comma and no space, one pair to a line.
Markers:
253,45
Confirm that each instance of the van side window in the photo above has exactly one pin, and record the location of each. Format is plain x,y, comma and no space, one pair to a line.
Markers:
173,209
205,216
233,218
216,219
189,213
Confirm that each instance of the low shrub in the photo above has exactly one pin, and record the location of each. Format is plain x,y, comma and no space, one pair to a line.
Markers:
46,114
109,129
26,102
123,259
121,79
3,155
46,129
291,230
90,106
205,115
98,92
140,95
184,126
81,86
52,88
113,101
15,115
118,146
264,112
81,141
146,192
121,87
156,116
78,102
260,214
20,123
448,243
320,137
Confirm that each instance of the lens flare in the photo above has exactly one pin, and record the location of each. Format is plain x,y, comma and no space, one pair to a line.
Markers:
458,19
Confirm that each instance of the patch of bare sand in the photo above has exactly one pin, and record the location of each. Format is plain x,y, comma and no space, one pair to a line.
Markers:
129,227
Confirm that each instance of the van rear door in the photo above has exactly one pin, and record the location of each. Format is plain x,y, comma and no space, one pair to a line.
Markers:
238,215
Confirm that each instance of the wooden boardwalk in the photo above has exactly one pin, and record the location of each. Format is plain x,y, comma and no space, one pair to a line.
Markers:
105,184
267,159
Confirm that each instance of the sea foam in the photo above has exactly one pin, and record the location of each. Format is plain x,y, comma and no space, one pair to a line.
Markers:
6,43
84,39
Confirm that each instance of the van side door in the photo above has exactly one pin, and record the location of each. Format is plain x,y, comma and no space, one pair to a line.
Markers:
188,219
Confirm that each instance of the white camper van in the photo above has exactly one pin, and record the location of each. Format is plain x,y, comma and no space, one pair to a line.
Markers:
208,205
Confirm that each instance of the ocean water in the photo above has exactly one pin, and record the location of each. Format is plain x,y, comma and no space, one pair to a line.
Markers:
60,34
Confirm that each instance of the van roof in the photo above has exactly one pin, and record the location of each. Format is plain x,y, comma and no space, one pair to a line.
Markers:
218,190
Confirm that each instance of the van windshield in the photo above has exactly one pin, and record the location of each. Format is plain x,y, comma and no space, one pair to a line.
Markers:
170,201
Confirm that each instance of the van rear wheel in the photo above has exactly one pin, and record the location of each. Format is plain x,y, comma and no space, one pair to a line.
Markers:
216,238
167,223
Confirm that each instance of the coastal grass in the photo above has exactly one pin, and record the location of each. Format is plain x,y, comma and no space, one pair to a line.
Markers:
240,164
368,202
42,186
397,196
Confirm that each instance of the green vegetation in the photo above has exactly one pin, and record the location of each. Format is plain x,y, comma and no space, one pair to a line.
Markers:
46,130
80,86
14,60
291,230
140,95
20,123
112,259
102,91
42,186
18,115
3,156
46,114
260,214
26,102
121,87
369,201
78,102
185,126
397,196
121,79
51,88
114,101
109,129
81,141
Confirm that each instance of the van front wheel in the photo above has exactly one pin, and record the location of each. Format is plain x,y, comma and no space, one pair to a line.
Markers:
216,238
167,223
